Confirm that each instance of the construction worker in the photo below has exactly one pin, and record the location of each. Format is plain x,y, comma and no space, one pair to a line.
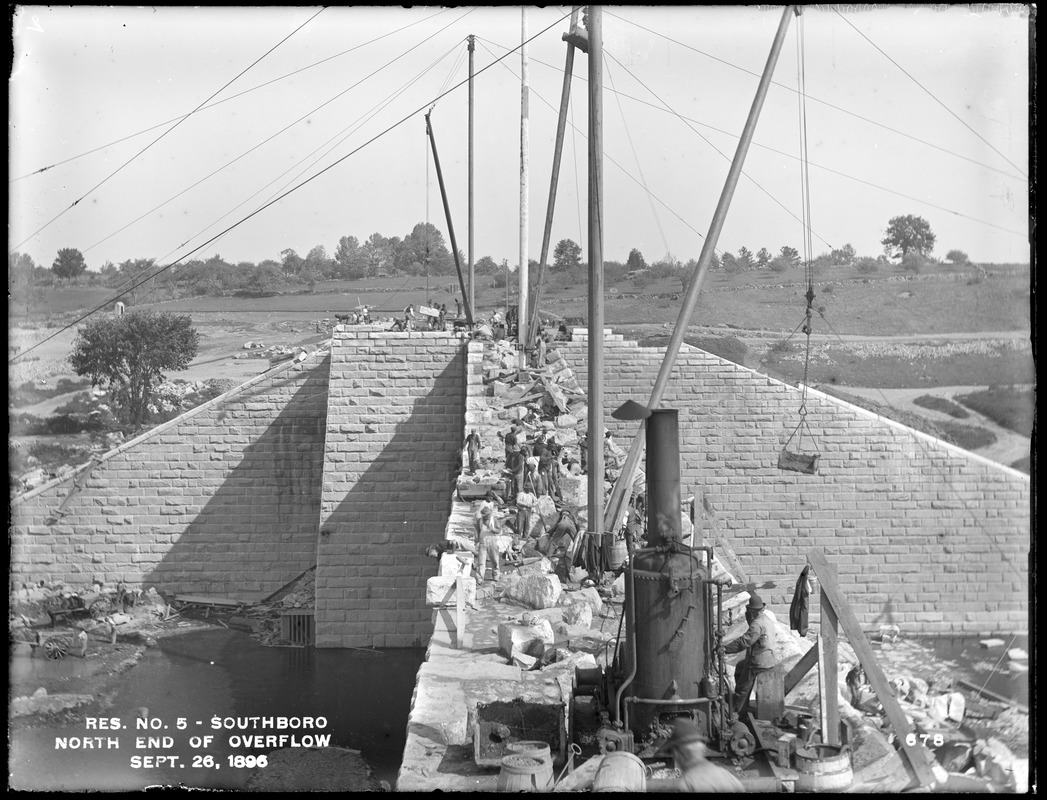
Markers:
472,446
759,657
487,530
697,773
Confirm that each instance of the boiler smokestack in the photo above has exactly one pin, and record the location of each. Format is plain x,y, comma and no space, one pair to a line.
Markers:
663,477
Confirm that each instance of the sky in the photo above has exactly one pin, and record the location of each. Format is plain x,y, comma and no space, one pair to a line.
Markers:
176,133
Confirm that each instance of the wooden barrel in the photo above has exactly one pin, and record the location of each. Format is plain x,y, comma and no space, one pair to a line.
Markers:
823,768
619,552
539,751
620,772
523,774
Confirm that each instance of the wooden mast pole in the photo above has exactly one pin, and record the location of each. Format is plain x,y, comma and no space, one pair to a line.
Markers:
472,47
573,40
596,422
522,309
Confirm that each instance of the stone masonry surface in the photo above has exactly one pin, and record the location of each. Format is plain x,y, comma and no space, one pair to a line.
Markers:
924,535
221,501
394,435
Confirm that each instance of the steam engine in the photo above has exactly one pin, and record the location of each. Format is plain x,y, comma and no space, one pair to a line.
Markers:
670,663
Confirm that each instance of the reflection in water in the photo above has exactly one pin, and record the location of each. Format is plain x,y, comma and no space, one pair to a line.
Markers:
363,695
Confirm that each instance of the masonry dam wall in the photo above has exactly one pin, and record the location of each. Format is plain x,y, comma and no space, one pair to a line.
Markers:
346,462
222,500
922,534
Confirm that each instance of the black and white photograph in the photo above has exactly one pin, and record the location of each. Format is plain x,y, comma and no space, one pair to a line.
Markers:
439,398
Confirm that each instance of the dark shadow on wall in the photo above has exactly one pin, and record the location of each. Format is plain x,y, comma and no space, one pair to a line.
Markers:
375,535
257,531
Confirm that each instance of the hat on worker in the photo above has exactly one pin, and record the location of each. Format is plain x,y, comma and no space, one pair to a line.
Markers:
684,732
755,602
532,461
485,511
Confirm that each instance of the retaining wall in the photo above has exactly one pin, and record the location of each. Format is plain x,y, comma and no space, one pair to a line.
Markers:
394,439
923,534
222,501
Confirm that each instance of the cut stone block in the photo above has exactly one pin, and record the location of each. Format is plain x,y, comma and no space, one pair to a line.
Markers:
578,613
524,661
451,565
533,591
441,591
513,638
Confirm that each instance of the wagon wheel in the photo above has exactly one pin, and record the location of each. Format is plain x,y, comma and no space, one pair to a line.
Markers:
56,647
101,608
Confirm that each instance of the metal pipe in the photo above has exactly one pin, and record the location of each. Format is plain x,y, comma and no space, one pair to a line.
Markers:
630,635
632,461
447,213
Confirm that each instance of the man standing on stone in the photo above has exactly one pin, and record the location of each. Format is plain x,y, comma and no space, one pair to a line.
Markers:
472,446
757,641
487,543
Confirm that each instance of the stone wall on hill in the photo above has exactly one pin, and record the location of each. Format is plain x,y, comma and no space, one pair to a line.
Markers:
923,534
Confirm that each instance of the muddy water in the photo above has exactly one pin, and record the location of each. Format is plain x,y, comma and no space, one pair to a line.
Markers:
363,697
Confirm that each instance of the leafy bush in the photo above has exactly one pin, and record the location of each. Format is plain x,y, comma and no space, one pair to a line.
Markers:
867,265
941,404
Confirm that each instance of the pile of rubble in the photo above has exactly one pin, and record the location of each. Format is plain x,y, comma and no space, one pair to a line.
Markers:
274,353
264,618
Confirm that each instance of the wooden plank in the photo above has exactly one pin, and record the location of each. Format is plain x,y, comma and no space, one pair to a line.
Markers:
459,603
767,741
992,695
208,601
917,755
801,668
829,639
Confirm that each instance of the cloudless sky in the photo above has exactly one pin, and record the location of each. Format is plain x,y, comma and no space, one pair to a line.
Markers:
96,92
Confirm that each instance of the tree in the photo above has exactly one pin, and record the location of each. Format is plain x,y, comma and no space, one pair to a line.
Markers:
486,266
69,263
423,251
317,266
133,274
763,258
635,261
730,263
745,259
908,234
567,255
790,254
376,254
843,256
20,269
292,263
955,256
684,272
129,354
349,258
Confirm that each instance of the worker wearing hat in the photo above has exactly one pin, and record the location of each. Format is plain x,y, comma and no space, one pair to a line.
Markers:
759,657
697,773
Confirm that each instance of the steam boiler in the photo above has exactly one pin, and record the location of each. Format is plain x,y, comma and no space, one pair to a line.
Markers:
670,662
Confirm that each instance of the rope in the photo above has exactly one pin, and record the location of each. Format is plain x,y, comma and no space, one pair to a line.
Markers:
807,243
